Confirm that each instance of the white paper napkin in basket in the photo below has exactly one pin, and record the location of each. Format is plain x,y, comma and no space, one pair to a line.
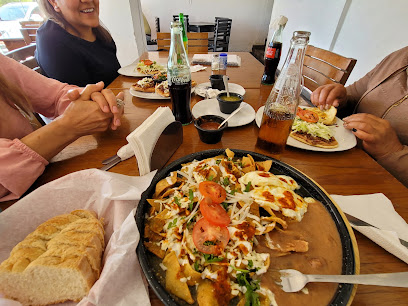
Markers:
144,138
377,210
113,197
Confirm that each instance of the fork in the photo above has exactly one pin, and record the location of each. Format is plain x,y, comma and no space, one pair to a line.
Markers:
293,280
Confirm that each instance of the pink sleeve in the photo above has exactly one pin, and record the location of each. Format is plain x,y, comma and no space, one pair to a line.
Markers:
20,167
48,96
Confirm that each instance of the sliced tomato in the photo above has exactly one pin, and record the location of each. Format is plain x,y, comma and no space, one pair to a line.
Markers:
214,212
147,62
307,115
213,191
208,238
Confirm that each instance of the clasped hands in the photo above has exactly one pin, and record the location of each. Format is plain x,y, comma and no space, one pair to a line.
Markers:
377,135
93,110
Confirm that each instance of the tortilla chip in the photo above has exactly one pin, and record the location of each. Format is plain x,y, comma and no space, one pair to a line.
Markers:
195,277
206,294
173,275
264,165
155,249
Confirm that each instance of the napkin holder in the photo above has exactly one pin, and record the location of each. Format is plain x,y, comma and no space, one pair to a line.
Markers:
168,142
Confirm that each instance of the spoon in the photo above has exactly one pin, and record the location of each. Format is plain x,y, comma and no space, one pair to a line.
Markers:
232,114
293,280
225,79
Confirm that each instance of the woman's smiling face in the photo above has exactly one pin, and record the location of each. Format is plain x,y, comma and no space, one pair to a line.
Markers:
82,15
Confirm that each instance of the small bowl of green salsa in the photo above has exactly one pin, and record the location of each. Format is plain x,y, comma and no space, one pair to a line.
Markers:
229,104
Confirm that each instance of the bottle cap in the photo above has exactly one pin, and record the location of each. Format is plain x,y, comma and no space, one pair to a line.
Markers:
223,54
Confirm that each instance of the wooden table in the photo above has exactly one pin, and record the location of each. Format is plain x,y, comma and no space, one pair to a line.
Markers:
345,173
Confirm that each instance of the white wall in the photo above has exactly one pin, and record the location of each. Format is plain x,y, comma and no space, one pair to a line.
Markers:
123,20
320,17
250,19
372,29
366,30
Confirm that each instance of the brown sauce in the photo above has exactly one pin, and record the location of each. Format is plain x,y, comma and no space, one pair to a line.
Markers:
324,256
209,125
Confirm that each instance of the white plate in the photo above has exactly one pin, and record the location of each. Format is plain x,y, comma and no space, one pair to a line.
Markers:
345,138
201,89
130,70
210,107
147,95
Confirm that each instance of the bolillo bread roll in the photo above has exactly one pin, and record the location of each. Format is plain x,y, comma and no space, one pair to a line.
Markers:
59,261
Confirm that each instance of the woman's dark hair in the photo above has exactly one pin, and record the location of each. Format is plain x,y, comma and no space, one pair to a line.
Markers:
49,12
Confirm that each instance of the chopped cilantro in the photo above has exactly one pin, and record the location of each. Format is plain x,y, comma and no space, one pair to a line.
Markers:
211,258
172,223
251,297
190,206
190,195
208,242
226,181
210,178
177,201
225,205
218,161
196,266
248,187
250,263
233,192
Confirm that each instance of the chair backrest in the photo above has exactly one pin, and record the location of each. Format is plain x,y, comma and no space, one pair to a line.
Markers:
322,67
186,20
29,30
25,56
222,32
197,42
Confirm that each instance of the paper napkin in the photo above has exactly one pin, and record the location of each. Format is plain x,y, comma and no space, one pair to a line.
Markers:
377,210
205,59
144,138
196,68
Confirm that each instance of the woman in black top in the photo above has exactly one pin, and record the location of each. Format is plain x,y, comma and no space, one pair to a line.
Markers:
72,46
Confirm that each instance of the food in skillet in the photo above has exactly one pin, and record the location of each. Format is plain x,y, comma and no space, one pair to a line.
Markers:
207,219
149,67
59,261
311,127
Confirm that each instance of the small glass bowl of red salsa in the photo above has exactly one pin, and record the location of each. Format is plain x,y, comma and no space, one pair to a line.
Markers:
207,127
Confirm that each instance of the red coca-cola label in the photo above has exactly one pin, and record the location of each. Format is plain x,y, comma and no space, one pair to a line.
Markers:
270,52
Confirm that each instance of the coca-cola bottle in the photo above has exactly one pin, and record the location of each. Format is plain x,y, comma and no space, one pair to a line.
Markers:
280,108
273,52
179,76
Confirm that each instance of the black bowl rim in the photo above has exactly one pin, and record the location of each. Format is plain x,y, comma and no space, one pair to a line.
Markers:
211,131
345,292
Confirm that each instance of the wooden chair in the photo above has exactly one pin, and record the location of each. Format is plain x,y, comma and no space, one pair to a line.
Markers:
322,67
197,42
222,32
25,56
29,30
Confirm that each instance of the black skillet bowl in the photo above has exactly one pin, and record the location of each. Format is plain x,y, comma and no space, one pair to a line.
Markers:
150,263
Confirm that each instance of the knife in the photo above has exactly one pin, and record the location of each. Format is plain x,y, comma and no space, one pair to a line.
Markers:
358,222
123,153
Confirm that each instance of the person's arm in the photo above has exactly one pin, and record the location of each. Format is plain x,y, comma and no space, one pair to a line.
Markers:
20,166
397,164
